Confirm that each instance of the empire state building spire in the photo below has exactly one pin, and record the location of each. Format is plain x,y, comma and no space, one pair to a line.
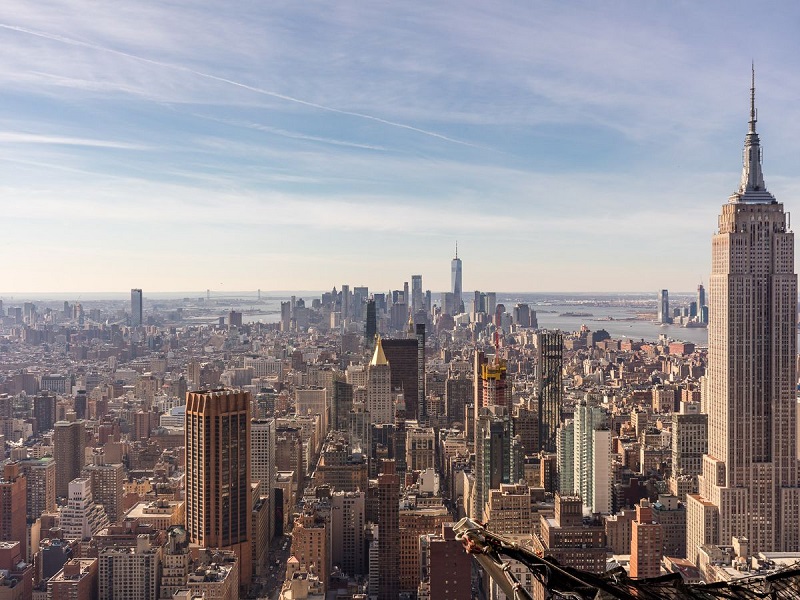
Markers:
752,187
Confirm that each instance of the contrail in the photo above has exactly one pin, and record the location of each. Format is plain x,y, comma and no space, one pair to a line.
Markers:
257,90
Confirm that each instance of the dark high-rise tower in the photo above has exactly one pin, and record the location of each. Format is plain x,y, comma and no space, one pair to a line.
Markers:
136,307
455,282
422,413
218,495
371,325
388,532
549,353
749,481
69,443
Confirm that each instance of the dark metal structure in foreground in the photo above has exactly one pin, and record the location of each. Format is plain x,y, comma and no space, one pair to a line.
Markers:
564,582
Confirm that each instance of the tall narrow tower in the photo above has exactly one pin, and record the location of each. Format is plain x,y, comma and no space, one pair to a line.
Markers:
218,495
136,307
455,281
749,481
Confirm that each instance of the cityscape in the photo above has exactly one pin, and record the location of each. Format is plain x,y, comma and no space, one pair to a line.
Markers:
389,417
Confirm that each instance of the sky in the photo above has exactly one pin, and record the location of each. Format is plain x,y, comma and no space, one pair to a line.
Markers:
565,146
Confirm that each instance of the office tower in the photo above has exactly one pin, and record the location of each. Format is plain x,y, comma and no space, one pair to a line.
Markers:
262,464
234,318
380,400
420,448
69,442
218,495
82,517
130,572
416,519
136,307
663,307
40,475
345,302
406,297
421,411
508,509
417,296
360,297
455,283
749,484
491,303
370,325
388,532
403,357
549,352
44,410
286,316
348,511
341,405
689,440
522,315
13,506
702,315
106,482
497,455
647,542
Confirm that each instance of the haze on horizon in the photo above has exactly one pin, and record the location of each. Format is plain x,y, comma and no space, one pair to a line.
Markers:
180,146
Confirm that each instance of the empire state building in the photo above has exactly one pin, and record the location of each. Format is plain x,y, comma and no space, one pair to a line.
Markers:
748,488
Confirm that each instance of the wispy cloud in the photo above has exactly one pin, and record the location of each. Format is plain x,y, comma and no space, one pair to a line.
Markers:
14,137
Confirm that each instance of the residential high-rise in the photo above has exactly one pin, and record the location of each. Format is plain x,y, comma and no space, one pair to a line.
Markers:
13,500
549,353
82,517
130,571
40,474
749,483
136,307
647,543
663,307
262,464
455,283
218,494
497,455
106,482
69,443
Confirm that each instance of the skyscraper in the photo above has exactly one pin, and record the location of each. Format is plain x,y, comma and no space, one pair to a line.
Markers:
422,413
549,352
663,307
388,532
749,481
136,307
455,282
218,496
69,442
417,296
380,403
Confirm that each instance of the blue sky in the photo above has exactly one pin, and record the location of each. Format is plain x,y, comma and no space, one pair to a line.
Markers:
574,146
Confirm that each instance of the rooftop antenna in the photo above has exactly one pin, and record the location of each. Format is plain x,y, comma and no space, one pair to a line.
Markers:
456,249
